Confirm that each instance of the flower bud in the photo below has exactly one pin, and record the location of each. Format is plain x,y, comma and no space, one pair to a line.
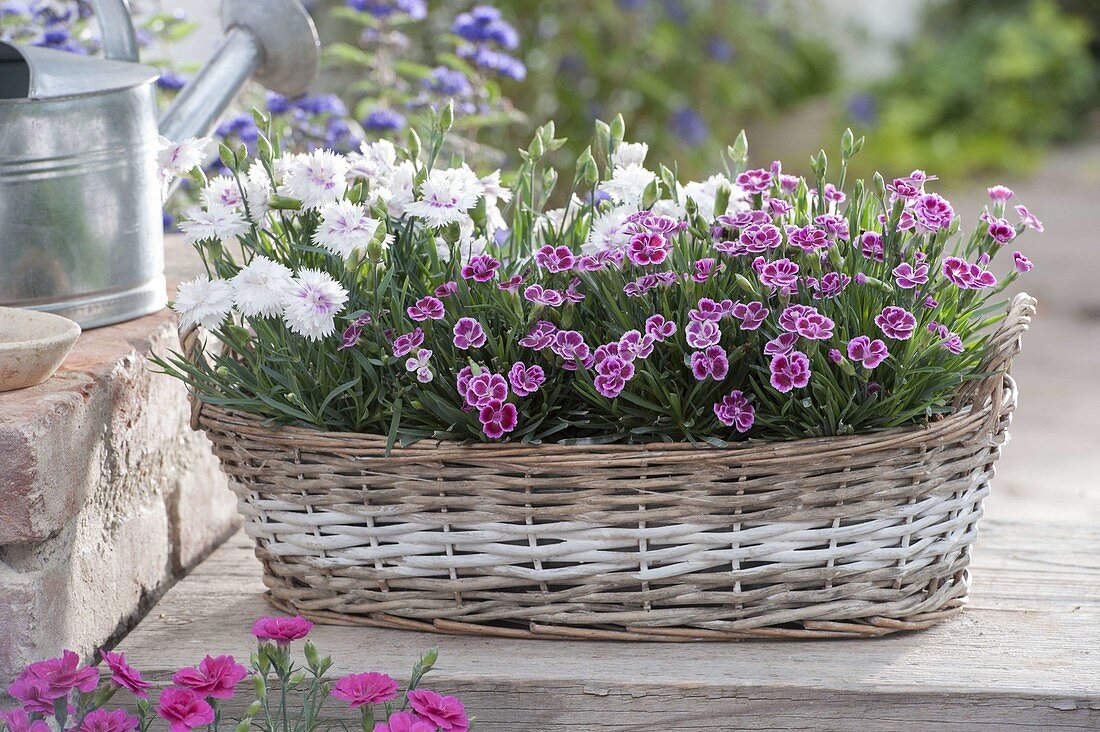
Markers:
649,196
311,654
447,116
259,684
618,131
284,203
721,199
413,144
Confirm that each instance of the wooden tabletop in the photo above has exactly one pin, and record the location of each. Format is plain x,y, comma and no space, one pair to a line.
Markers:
1024,655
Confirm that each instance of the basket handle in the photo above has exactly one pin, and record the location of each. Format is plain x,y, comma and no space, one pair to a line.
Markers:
1004,345
191,348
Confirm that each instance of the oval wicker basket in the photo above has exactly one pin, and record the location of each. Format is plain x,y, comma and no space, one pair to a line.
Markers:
851,536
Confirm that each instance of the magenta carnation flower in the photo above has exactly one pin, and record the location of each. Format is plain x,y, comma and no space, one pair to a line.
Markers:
790,371
612,373
184,710
871,246
834,355
281,630
830,285
362,689
790,315
779,207
999,194
553,259
755,181
967,276
468,334
512,284
1022,263
751,314
52,679
707,309
426,308
659,328
540,337
781,344
834,225
446,289
544,295
807,238
485,388
759,238
647,248
782,274
214,678
702,333
1028,219
713,363
102,720
405,722
704,268
124,675
735,411
636,345
570,345
907,276
1000,230
446,712
497,418
834,194
897,323
525,380
481,268
868,352
404,344
933,213
19,721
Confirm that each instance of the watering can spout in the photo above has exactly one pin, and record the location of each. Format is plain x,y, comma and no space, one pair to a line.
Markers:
272,41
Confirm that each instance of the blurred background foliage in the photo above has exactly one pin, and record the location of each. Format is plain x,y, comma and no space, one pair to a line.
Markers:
974,86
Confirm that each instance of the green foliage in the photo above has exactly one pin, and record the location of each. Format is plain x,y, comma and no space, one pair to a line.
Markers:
986,91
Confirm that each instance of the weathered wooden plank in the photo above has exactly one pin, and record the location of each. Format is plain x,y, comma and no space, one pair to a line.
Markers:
1024,656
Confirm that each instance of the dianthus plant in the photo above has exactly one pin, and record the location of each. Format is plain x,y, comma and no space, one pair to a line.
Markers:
393,293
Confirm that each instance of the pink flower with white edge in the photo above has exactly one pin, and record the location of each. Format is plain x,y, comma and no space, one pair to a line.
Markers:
426,308
555,259
446,712
735,411
468,334
405,344
481,268
781,344
647,248
808,238
834,225
405,722
1028,219
420,365
759,238
871,246
102,720
185,710
485,388
933,213
790,371
868,352
659,328
446,289
713,363
706,309
781,275
612,373
544,296
512,284
830,285
540,337
908,277
636,344
570,345
365,689
814,326
702,333
215,677
572,294
834,194
281,630
967,276
751,314
525,380
897,323
1000,230
1022,263
999,194
497,419
704,268
755,181
124,675
790,315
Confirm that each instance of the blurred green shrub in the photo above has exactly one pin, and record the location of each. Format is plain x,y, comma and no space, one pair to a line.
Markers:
984,89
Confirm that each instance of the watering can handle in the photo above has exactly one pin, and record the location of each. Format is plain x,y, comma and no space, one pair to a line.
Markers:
117,29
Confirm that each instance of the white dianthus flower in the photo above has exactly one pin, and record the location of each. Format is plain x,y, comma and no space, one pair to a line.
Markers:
222,191
179,158
628,184
608,231
629,153
261,287
446,196
204,302
344,228
705,194
397,192
317,178
314,301
257,192
216,222
375,162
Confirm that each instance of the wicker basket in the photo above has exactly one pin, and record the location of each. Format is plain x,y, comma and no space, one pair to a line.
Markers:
851,536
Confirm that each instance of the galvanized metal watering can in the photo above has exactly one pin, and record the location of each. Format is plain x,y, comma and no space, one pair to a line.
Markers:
81,230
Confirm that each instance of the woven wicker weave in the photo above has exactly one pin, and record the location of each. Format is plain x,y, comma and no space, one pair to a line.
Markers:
835,537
